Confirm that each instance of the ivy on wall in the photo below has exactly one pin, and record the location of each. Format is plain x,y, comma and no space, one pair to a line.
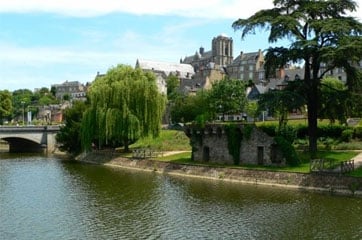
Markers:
234,137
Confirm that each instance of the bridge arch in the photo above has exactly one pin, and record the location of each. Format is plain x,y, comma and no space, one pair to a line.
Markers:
21,145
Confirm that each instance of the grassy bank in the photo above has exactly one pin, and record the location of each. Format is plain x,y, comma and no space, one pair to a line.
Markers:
334,156
176,141
169,140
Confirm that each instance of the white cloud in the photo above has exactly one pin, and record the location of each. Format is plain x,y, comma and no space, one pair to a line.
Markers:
230,9
205,9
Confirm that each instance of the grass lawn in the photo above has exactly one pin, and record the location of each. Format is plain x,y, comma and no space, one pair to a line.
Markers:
356,173
169,140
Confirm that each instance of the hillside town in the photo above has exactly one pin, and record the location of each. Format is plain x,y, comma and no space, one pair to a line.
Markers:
195,72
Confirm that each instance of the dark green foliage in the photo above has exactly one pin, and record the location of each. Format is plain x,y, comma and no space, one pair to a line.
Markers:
270,129
227,96
69,136
334,99
347,135
332,131
6,105
173,83
247,130
301,131
187,108
288,151
321,33
234,137
358,132
288,132
281,102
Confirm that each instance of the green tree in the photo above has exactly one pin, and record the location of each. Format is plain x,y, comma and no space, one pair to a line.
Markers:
173,83
334,100
188,108
321,32
69,135
125,106
6,105
251,109
280,103
227,96
22,98
43,97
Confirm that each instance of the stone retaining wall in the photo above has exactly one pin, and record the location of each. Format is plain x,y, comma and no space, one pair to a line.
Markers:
317,182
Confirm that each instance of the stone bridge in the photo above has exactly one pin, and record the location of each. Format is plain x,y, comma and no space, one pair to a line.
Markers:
30,138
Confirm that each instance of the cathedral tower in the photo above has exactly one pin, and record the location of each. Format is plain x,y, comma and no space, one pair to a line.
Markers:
222,50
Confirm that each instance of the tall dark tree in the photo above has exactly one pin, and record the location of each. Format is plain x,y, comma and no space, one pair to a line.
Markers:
321,33
69,136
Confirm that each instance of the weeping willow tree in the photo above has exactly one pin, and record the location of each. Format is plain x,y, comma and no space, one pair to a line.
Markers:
125,106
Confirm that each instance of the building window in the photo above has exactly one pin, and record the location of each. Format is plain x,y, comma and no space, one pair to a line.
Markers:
261,75
251,76
251,67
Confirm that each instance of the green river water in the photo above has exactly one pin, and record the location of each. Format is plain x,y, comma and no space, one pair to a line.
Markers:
47,198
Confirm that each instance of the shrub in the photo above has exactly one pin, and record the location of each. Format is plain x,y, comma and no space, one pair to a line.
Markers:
332,131
301,131
347,135
358,132
288,151
269,129
288,132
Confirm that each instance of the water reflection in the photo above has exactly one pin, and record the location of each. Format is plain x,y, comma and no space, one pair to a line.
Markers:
44,198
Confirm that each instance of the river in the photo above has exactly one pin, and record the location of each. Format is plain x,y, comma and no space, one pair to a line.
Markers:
48,198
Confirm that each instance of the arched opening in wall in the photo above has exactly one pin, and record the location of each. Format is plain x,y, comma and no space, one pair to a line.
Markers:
275,155
206,154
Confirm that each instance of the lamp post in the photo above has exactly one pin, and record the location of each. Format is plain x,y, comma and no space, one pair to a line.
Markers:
23,104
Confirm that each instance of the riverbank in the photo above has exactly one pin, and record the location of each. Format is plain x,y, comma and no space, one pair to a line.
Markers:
331,183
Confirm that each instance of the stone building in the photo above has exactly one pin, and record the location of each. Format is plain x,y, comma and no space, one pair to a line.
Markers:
209,66
211,144
164,69
74,89
248,66
220,55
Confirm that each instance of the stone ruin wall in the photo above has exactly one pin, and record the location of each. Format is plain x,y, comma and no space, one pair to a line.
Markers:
215,140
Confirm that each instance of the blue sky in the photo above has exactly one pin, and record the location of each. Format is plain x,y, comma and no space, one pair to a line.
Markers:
44,42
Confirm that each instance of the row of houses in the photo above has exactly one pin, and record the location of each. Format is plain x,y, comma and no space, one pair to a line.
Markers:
200,70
